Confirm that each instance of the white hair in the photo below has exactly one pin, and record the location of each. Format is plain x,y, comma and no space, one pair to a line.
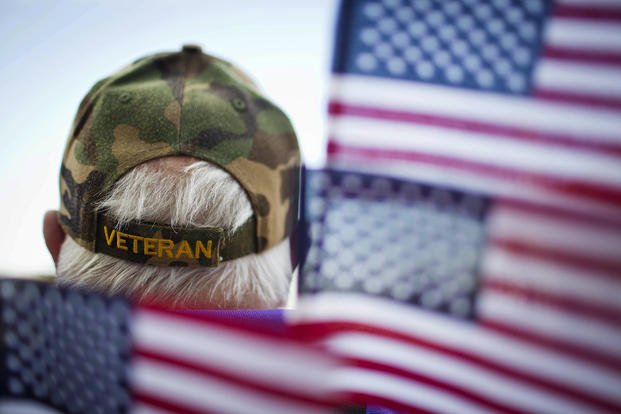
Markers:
181,191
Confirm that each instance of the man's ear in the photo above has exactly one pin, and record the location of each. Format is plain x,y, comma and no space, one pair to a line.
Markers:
53,234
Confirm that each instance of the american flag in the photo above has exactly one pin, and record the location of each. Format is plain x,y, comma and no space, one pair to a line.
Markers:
80,352
512,305
514,98
443,301
477,270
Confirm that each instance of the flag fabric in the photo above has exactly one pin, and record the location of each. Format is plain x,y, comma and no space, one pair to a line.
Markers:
81,352
439,302
465,246
185,363
511,98
64,348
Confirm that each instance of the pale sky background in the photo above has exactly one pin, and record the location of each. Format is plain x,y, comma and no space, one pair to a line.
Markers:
53,51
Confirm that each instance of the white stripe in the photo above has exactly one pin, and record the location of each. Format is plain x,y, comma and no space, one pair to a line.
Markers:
406,392
459,373
593,3
480,148
206,393
474,182
580,238
142,408
600,36
552,277
593,80
465,336
246,354
496,109
544,320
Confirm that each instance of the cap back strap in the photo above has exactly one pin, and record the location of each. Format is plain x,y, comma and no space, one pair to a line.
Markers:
163,245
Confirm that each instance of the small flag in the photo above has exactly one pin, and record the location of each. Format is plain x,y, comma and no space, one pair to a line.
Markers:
81,352
509,98
445,301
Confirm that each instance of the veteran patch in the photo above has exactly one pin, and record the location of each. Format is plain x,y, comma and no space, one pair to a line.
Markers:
163,245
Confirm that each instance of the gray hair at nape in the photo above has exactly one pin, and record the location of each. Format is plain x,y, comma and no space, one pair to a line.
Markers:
181,191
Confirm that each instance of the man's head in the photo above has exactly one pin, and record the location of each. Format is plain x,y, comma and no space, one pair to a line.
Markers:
179,183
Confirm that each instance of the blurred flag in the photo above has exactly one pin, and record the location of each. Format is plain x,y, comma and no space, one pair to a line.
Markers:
487,277
64,348
410,284
464,247
79,352
512,98
187,363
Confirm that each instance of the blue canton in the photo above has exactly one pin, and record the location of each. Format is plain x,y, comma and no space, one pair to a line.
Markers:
489,45
401,240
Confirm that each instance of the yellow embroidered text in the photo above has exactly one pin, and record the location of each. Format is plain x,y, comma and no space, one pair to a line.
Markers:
149,246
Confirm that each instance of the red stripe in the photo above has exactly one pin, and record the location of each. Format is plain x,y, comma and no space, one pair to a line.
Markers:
566,304
498,131
587,12
238,327
555,255
473,396
577,98
162,403
555,344
582,55
318,331
612,222
582,189
240,380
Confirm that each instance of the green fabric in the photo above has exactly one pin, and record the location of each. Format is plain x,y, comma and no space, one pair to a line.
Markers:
181,103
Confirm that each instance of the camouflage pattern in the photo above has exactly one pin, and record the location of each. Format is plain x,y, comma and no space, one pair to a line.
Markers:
184,103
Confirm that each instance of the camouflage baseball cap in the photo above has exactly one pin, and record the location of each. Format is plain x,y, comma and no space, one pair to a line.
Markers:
181,103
